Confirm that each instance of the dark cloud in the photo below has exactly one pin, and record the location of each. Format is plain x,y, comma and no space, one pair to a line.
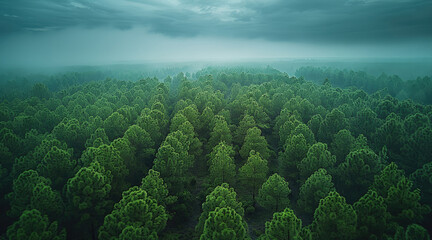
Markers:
332,21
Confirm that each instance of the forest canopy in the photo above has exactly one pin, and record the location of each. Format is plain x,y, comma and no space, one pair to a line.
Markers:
223,153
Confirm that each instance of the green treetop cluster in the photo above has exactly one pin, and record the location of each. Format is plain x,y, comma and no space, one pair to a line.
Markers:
223,153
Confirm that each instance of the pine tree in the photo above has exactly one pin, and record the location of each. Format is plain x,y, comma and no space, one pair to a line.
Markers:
253,173
274,193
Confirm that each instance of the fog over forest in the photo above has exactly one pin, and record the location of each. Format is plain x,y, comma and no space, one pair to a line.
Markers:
215,119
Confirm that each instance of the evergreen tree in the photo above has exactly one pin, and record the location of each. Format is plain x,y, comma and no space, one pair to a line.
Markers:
173,161
253,173
284,225
316,187
141,141
343,143
372,216
274,193
57,165
88,194
358,171
155,187
135,216
222,168
222,196
219,133
245,124
254,141
109,158
115,125
317,157
35,226
334,218
295,150
224,223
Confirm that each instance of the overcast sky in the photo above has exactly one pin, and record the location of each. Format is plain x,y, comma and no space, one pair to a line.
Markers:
108,31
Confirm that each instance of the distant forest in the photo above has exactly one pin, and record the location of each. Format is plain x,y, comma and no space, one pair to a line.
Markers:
419,90
223,153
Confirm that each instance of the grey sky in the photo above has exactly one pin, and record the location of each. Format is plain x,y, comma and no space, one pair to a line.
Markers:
295,27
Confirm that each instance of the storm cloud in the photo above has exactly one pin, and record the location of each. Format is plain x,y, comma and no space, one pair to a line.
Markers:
277,20
90,31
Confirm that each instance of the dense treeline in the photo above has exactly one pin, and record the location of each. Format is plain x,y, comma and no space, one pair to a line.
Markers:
227,153
419,90
22,84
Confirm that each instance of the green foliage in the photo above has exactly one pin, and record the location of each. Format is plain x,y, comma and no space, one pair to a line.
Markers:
417,147
372,216
254,141
219,133
253,173
11,141
40,90
225,224
314,123
88,192
415,121
35,226
334,218
257,111
245,124
307,133
46,200
135,167
115,125
333,123
98,138
366,122
358,171
73,132
6,156
222,168
177,121
387,178
194,143
284,116
317,157
192,115
4,180
151,125
316,187
343,143
306,233
404,204
274,193
136,216
295,150
141,141
173,161
57,165
155,187
422,179
417,232
30,190
412,232
391,134
206,118
119,129
302,106
284,225
109,158
222,196
287,128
